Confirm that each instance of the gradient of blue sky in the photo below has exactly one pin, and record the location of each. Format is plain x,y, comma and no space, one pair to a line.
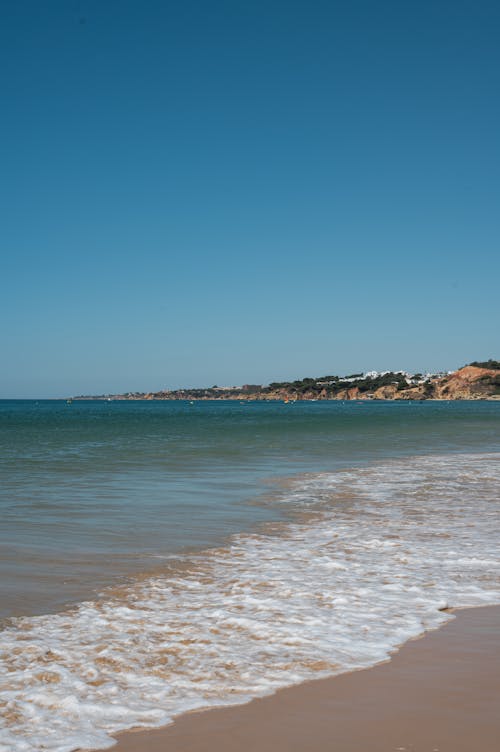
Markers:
226,192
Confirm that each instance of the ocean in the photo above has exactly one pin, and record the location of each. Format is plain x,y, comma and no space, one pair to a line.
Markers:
158,557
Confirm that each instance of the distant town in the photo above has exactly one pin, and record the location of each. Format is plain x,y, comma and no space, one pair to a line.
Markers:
477,380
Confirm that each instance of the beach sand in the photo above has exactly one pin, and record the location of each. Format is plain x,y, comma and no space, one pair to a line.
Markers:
439,693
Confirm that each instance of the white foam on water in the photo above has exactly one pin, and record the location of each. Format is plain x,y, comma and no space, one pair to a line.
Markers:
383,549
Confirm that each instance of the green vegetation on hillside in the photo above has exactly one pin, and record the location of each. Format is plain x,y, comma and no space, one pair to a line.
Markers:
430,386
332,385
491,381
494,365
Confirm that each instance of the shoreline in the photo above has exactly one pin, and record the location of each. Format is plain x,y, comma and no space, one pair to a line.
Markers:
437,693
385,550
277,400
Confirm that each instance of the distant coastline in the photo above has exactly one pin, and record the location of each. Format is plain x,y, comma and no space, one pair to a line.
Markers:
476,381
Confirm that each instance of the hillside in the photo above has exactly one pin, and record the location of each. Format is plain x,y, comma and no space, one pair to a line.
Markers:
470,382
478,380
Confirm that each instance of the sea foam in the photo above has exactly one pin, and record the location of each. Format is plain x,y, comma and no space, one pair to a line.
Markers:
376,556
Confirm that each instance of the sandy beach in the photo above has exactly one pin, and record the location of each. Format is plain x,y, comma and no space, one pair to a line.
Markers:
439,693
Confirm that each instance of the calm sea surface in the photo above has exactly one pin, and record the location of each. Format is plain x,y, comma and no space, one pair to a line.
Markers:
151,552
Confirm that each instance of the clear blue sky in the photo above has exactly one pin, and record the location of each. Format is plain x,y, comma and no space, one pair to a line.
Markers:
226,192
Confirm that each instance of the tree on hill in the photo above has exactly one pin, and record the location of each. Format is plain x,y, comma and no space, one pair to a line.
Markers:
493,365
429,390
279,385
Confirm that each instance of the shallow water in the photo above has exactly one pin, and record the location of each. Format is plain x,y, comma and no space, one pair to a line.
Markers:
379,516
95,491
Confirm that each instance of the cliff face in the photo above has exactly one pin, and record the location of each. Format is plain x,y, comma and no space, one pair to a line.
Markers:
386,392
469,383
348,394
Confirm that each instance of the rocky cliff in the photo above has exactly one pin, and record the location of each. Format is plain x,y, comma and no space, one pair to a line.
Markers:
469,382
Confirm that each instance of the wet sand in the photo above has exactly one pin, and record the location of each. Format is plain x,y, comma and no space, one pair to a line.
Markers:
440,693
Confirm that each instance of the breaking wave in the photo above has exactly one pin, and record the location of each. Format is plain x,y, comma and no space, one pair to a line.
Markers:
370,558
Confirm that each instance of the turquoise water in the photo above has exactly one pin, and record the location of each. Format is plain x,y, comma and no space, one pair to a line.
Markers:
157,558
94,491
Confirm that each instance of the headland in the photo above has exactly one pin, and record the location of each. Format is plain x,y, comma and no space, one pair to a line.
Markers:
476,381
